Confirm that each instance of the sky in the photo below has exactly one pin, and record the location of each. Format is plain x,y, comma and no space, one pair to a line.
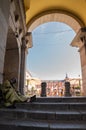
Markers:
51,56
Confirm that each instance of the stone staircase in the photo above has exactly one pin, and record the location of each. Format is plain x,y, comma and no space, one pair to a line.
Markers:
61,113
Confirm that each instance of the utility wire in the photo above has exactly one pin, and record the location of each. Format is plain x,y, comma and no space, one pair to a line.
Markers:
53,32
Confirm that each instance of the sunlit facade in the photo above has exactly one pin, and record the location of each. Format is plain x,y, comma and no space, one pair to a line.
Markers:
57,87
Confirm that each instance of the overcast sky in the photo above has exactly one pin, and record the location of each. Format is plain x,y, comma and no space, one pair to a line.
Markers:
51,56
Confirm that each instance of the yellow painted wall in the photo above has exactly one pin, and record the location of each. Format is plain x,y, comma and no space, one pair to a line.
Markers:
35,7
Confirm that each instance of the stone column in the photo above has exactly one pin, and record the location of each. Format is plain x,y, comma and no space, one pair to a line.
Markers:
26,43
43,89
82,51
67,89
23,65
80,42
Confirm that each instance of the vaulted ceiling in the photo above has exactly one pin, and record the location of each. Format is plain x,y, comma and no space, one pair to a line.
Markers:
37,8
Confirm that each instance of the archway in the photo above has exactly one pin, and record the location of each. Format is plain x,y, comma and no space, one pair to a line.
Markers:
52,57
11,61
56,16
74,22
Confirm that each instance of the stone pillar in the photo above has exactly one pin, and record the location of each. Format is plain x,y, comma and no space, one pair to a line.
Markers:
26,43
23,65
67,89
80,42
82,51
43,89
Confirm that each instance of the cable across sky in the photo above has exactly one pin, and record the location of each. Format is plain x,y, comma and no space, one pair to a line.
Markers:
62,31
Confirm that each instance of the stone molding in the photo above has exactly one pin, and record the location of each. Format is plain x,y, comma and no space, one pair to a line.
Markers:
28,38
80,38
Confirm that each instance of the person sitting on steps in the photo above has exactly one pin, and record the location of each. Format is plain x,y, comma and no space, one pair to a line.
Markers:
12,96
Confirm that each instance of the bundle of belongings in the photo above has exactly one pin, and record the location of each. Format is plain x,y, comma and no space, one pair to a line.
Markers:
9,96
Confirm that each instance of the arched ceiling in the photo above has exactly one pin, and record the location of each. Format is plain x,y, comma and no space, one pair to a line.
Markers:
56,17
75,9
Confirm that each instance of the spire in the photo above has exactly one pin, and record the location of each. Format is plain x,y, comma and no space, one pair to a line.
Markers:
66,76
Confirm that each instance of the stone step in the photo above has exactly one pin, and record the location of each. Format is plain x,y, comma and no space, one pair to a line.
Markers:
42,115
52,106
52,114
61,99
41,125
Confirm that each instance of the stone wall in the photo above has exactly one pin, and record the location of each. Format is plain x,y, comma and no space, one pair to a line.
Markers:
4,19
12,31
11,61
